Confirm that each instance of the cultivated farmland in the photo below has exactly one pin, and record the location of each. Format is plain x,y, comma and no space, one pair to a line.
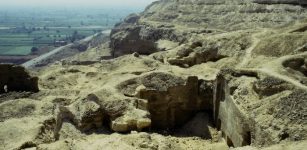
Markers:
23,29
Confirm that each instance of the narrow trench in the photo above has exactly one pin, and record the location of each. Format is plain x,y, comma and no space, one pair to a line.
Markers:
248,138
182,111
187,129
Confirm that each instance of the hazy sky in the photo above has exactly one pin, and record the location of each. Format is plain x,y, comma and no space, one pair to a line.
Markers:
128,3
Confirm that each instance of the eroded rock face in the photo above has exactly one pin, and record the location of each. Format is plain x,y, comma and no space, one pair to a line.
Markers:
94,112
174,106
171,100
87,114
155,100
178,21
16,78
194,55
128,38
237,64
267,119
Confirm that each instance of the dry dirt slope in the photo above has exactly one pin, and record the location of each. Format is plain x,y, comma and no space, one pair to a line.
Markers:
208,74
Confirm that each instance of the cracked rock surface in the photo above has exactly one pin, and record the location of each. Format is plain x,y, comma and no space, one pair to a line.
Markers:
187,74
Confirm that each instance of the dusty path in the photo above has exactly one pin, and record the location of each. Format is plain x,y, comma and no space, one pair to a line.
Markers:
272,68
36,60
271,73
248,54
275,68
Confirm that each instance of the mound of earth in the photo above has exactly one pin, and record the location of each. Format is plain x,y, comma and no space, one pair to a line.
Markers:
201,74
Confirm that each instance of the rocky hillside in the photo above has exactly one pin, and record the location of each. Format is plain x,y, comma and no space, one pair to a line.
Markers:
186,74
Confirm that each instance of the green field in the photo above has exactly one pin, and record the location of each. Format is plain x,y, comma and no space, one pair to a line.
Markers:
15,50
12,43
20,30
15,44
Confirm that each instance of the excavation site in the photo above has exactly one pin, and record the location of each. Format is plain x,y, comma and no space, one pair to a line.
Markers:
178,75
